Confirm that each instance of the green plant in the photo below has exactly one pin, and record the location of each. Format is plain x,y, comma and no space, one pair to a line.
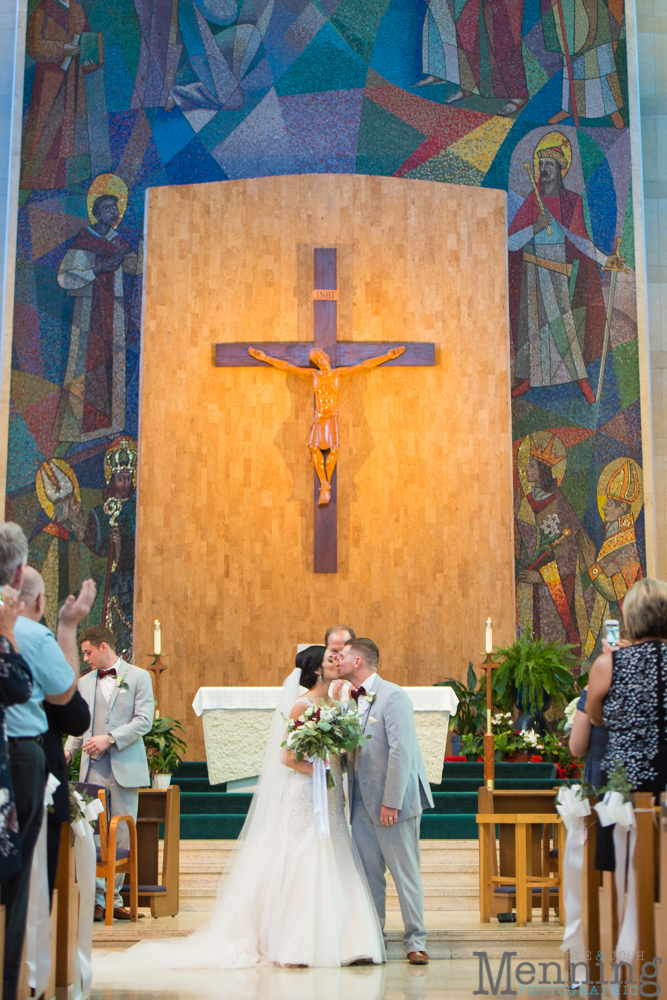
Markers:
163,746
529,670
505,741
468,718
471,744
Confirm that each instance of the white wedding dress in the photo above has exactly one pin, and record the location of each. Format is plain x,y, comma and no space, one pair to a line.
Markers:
289,897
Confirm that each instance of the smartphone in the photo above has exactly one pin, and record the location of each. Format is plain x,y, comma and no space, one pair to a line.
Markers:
612,632
507,918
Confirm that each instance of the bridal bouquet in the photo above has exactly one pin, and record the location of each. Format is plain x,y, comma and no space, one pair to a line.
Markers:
323,731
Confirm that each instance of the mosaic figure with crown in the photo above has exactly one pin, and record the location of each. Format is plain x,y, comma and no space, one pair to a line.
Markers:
110,533
604,579
548,537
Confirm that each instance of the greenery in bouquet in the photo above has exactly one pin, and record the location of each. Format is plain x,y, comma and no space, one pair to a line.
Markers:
323,731
470,712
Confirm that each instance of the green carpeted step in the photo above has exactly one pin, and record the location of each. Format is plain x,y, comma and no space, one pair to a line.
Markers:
208,803
507,784
448,803
196,784
227,826
193,769
503,770
452,827
215,826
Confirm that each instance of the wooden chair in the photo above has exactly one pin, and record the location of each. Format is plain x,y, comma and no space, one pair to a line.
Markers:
159,889
111,859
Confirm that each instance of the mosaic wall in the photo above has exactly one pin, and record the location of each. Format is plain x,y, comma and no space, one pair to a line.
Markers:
525,95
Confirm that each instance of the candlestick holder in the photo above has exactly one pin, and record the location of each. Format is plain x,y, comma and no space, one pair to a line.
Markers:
489,743
157,667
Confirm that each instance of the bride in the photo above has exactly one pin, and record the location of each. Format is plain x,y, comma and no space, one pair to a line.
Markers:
290,898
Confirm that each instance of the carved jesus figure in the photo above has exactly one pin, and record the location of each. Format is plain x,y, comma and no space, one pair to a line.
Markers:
326,386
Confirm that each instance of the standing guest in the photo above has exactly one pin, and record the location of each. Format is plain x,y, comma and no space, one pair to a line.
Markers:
120,698
15,688
588,740
72,718
626,694
55,670
335,640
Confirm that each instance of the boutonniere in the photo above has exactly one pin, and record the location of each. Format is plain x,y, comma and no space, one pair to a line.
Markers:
370,697
122,683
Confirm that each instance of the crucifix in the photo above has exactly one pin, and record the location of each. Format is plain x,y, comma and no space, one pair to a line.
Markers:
326,359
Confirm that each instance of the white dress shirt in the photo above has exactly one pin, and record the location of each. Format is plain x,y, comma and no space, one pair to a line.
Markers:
108,683
364,704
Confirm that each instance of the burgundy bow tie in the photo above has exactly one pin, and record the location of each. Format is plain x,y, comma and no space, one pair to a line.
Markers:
357,692
111,672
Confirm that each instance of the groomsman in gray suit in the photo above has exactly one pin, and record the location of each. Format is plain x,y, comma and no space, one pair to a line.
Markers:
388,790
120,699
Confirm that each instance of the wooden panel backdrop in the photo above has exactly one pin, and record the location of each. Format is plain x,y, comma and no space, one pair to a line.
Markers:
225,499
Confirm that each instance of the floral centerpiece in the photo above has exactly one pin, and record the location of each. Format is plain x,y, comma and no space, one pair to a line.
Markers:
323,731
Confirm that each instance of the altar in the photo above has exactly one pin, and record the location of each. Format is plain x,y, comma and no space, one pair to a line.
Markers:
236,723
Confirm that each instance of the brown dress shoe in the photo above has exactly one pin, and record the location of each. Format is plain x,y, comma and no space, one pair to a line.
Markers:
122,913
98,915
417,958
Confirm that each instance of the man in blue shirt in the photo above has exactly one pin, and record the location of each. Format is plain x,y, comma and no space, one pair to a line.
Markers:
55,670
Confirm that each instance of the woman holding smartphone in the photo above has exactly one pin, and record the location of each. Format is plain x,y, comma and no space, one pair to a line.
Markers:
626,694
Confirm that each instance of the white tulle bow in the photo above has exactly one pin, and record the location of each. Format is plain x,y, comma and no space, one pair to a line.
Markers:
85,856
573,810
613,810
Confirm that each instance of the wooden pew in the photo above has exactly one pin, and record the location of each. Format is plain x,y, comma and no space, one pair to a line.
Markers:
67,932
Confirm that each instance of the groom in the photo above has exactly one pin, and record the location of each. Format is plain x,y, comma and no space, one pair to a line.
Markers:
388,790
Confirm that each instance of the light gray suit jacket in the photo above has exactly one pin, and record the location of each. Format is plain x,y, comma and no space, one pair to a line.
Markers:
131,717
389,766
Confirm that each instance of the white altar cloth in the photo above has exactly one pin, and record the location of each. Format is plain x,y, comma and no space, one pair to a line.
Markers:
236,726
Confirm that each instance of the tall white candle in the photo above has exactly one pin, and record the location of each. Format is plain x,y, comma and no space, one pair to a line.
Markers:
157,638
489,635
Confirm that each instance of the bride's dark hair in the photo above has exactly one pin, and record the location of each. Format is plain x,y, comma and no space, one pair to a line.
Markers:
309,662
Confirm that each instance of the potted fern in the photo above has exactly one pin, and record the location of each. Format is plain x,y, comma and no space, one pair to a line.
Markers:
163,750
533,674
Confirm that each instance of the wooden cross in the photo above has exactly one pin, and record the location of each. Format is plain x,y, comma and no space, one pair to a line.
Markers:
341,353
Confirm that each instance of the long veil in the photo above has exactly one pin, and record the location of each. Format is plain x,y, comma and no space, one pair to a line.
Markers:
230,936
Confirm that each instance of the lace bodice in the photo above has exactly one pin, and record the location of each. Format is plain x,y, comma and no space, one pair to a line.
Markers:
298,797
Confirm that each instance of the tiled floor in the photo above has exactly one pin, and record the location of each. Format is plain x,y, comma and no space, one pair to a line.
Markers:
450,980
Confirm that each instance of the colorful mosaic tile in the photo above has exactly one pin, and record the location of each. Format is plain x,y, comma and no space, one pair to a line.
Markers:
121,95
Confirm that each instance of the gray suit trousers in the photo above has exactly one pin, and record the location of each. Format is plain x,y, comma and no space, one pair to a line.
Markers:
122,802
396,848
